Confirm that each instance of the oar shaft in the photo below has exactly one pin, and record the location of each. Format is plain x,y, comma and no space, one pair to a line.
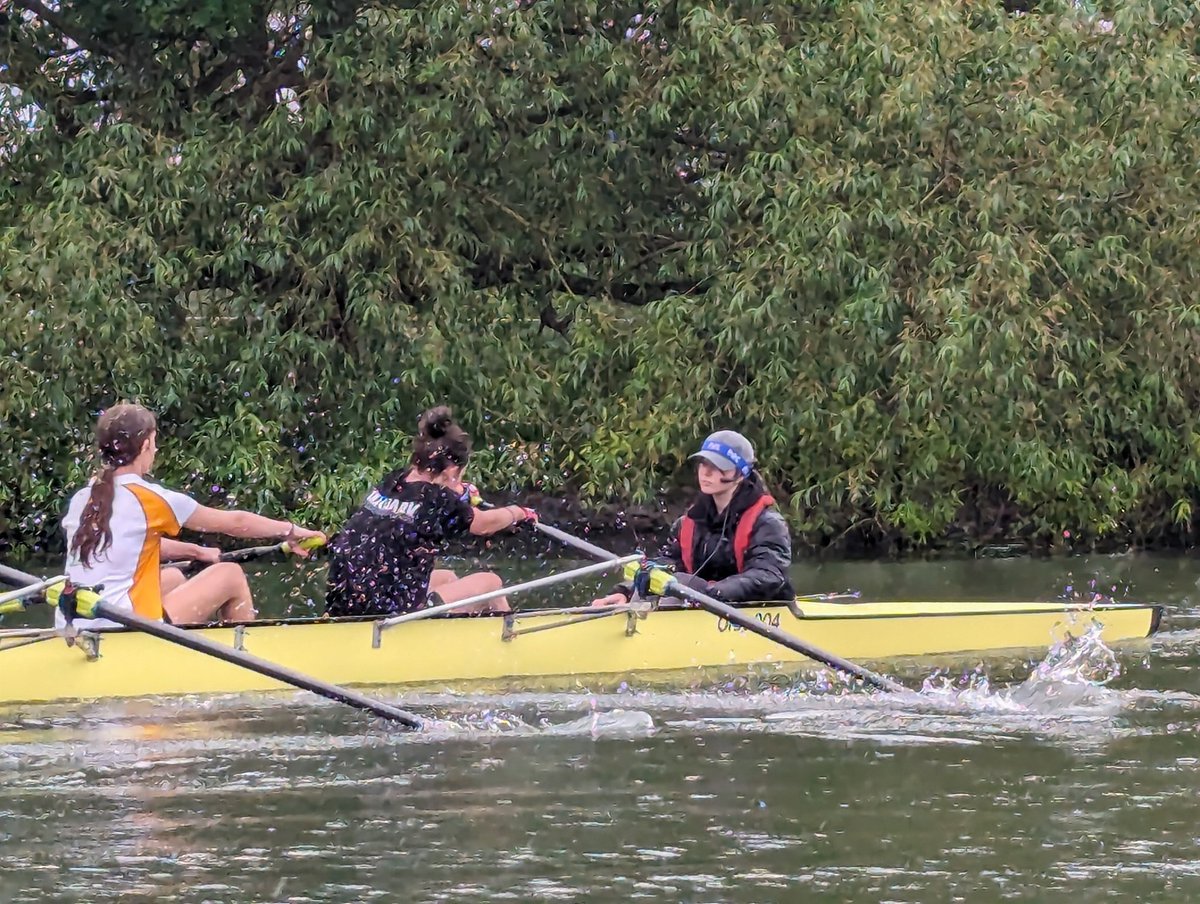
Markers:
563,537
249,553
576,542
548,581
32,589
237,555
193,641
14,577
743,620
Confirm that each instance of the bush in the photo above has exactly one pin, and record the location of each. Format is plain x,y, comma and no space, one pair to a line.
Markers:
938,261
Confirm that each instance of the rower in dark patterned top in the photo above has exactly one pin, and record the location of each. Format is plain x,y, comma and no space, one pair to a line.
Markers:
383,560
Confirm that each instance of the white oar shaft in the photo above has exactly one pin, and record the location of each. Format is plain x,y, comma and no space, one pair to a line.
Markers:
31,589
547,581
582,545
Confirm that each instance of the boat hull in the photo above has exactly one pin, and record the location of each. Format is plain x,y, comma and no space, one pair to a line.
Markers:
440,651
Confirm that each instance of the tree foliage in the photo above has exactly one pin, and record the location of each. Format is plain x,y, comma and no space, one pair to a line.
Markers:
937,260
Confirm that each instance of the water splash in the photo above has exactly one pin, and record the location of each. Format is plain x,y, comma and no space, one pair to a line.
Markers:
1074,673
622,723
616,723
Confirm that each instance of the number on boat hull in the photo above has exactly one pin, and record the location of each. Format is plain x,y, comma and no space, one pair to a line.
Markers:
767,618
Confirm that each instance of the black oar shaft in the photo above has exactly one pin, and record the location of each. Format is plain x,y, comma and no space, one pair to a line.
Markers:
247,554
193,641
236,555
742,619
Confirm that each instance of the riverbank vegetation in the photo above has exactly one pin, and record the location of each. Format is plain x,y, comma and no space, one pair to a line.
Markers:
938,261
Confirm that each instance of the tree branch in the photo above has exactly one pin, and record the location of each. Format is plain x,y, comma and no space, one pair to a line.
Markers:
25,70
85,41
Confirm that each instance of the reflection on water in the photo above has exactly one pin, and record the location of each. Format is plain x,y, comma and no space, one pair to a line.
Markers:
1072,778
965,791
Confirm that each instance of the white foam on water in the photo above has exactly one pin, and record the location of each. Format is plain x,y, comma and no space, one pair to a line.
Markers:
1066,697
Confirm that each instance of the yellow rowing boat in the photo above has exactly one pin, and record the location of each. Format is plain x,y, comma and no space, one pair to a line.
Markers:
561,646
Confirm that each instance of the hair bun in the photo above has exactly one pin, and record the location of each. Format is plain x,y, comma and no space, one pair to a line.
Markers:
435,422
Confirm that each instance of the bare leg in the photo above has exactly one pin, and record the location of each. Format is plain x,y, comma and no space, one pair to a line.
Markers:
472,584
219,590
441,576
169,579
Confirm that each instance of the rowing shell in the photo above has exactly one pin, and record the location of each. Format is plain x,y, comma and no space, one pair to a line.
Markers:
546,648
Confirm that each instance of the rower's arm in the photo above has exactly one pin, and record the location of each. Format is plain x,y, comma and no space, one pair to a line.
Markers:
235,523
489,521
173,550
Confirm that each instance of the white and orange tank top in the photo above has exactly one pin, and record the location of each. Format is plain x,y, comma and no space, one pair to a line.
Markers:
128,570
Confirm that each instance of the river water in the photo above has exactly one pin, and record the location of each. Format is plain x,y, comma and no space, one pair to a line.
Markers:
1073,778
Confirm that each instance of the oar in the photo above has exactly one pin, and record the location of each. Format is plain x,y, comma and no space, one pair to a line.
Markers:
250,553
193,641
548,581
739,618
594,551
15,601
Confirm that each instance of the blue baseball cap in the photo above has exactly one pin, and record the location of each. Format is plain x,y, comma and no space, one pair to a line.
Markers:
729,451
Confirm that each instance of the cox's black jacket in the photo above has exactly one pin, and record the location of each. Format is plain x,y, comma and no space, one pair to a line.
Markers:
768,557
767,560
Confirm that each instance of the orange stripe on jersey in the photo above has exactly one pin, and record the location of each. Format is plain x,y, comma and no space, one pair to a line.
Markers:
146,592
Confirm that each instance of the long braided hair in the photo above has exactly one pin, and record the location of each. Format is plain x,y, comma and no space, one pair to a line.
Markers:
120,434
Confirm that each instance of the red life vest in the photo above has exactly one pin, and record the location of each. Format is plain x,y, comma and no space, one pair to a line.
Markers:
741,535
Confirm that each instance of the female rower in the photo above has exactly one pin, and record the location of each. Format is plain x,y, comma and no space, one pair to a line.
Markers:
383,559
118,528
731,544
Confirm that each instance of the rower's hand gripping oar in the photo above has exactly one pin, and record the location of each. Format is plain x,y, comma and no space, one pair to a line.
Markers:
663,582
20,600
249,553
90,605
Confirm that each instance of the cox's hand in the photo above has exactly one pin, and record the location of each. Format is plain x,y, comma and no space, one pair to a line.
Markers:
530,514
613,599
303,533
